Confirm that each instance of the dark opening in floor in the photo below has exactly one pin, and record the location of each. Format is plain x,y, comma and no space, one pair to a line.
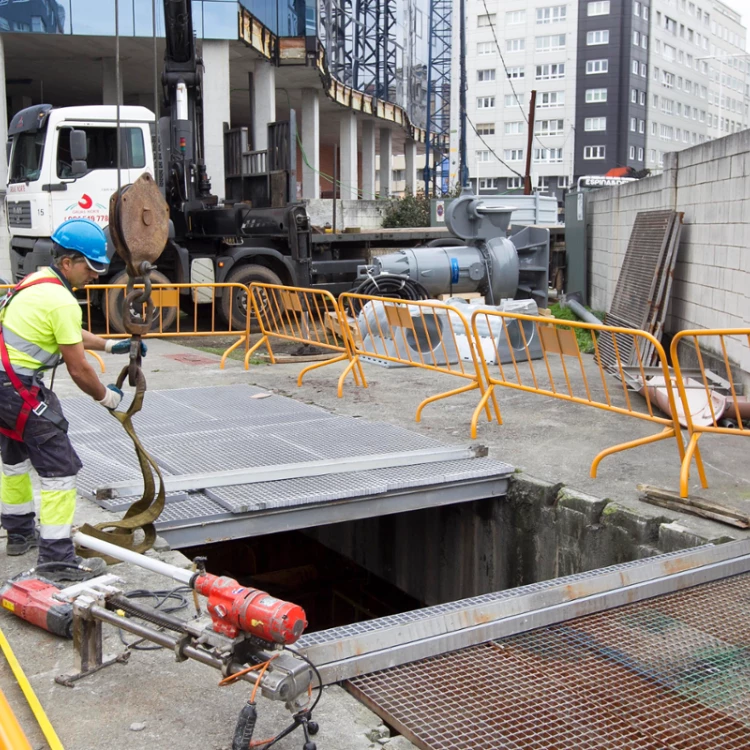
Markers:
332,589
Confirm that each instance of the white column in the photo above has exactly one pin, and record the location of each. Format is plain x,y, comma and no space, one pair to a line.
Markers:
368,160
4,239
264,103
311,144
109,80
348,149
216,109
386,159
410,157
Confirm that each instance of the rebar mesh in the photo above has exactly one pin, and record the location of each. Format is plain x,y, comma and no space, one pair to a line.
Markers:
670,673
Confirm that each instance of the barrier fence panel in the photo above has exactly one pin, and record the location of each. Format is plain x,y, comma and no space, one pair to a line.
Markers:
429,335
508,345
305,316
177,315
706,405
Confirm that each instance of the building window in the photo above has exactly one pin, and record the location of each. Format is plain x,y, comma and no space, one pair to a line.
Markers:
644,70
483,156
644,41
486,75
553,14
512,101
550,71
634,67
515,45
485,48
398,175
594,67
548,155
549,43
594,152
564,182
644,15
489,19
596,95
486,102
550,99
515,128
636,8
651,155
631,152
543,184
515,183
637,38
515,17
642,98
598,8
640,154
653,128
633,124
513,154
517,72
486,128
549,127
597,37
667,79
488,183
595,123
641,126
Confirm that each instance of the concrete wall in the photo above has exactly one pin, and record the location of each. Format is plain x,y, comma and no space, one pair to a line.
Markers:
538,532
711,184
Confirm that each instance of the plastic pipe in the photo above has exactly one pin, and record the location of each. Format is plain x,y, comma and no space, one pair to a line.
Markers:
11,734
581,312
120,553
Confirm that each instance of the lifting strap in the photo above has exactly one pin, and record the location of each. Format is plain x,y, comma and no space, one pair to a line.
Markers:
30,396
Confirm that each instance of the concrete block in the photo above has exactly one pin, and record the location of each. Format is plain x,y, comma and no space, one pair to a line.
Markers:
587,505
640,527
527,490
674,536
723,168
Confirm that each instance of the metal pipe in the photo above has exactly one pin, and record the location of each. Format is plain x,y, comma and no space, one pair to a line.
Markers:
581,311
120,553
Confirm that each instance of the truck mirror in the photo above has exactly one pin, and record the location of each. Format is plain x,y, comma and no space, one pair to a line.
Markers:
78,146
8,146
78,167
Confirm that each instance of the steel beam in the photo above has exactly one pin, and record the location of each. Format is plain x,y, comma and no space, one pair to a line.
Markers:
477,621
192,482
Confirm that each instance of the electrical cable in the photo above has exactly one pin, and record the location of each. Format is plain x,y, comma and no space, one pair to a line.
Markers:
393,286
161,597
492,151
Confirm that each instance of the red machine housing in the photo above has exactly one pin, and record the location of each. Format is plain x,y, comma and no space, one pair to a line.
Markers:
235,608
32,600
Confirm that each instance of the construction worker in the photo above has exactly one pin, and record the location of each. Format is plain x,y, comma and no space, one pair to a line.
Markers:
40,324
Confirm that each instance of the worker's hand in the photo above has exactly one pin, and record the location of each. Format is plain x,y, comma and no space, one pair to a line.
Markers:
112,397
122,347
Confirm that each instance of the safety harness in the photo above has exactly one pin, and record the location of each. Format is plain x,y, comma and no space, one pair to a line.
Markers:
30,396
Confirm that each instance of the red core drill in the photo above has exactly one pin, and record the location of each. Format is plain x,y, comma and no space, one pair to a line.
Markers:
32,599
235,608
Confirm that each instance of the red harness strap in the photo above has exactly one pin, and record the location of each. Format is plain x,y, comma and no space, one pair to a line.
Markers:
30,396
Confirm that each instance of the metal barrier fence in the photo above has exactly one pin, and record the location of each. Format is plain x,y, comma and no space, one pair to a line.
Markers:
202,316
704,408
305,316
515,340
428,335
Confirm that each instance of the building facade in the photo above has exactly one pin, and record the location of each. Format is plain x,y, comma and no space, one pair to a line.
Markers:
619,83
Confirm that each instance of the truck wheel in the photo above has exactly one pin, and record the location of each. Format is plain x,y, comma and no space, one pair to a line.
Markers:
116,299
245,275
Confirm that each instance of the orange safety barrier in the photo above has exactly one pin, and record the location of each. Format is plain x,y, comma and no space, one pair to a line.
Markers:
305,316
704,408
511,340
7,287
417,334
200,315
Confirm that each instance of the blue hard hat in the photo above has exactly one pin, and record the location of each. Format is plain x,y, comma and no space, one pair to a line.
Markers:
84,237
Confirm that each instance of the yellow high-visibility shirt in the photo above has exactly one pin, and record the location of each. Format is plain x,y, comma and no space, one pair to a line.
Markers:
46,315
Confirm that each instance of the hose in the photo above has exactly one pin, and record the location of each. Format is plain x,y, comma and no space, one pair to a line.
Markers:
391,285
243,731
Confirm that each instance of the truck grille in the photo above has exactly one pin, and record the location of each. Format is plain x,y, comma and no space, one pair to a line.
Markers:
19,214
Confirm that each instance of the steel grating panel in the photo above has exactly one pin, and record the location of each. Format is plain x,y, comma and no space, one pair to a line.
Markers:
666,673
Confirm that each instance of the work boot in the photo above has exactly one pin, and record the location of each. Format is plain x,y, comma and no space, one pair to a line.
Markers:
62,572
20,544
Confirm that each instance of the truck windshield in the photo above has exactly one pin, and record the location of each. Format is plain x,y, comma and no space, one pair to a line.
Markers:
26,161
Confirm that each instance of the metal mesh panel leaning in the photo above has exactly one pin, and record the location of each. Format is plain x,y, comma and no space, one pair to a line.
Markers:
706,406
421,334
562,372
656,675
308,316
166,321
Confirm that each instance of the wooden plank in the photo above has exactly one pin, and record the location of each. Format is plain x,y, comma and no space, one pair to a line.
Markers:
695,505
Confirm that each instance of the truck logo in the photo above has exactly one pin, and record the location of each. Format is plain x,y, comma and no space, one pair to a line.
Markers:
86,208
85,202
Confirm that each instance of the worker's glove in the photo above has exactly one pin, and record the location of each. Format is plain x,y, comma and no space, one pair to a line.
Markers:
112,397
122,346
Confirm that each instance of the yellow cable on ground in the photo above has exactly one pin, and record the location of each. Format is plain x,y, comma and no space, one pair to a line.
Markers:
44,723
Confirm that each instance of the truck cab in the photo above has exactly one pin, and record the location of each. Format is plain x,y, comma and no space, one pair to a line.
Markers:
49,182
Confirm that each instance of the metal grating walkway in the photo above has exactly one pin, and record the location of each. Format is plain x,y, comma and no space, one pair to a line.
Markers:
668,673
195,430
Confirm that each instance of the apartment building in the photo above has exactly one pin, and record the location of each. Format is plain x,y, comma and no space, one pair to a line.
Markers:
619,83
698,76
